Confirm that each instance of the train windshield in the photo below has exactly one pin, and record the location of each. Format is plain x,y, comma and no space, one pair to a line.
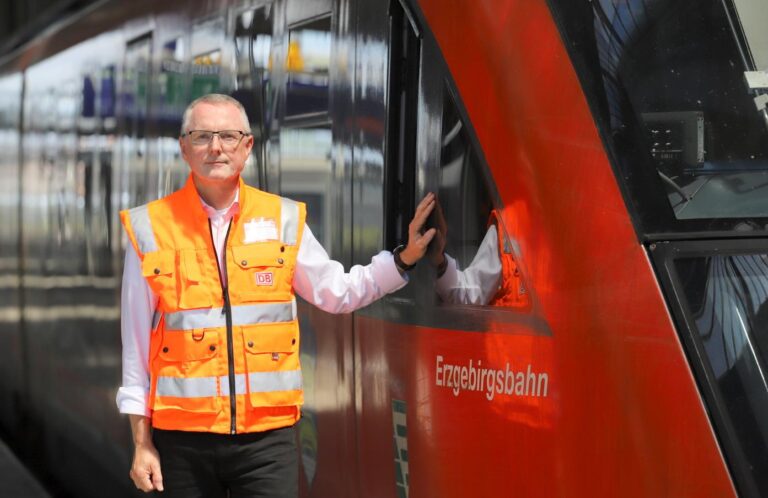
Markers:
724,298
679,89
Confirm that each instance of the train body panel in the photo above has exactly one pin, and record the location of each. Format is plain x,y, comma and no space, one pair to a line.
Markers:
582,383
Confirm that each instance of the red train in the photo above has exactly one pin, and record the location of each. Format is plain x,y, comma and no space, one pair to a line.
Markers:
621,148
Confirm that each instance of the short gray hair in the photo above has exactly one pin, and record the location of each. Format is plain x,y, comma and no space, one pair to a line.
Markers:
215,99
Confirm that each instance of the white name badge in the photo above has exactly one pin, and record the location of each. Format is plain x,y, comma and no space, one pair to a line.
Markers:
260,230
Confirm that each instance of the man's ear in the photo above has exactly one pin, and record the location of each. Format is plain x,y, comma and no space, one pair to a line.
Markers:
183,149
249,143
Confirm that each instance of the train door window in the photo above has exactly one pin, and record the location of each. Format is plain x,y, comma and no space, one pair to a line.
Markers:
308,68
207,40
471,233
404,69
253,34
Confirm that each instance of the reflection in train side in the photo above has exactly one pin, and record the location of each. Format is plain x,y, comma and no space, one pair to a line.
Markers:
58,313
307,176
307,63
727,297
470,232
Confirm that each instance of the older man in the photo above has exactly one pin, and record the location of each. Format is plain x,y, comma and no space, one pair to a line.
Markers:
209,328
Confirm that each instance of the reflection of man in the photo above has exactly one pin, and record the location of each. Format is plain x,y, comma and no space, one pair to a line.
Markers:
489,279
210,335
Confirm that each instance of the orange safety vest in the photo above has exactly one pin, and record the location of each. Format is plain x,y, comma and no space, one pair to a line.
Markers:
222,360
511,291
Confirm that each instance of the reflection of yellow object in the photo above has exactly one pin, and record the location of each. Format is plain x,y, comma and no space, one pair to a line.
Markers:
209,59
294,61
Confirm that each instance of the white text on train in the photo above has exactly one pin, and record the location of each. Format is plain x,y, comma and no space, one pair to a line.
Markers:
473,377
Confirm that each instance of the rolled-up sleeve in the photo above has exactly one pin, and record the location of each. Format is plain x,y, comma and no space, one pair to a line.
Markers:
324,283
138,304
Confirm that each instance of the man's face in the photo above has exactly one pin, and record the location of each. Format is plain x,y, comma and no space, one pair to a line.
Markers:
215,162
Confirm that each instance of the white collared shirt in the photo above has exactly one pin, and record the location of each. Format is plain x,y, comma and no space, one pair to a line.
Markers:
318,279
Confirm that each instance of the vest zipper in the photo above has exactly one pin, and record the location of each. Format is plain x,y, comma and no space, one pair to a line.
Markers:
227,311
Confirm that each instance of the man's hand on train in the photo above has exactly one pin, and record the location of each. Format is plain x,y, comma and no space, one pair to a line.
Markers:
417,241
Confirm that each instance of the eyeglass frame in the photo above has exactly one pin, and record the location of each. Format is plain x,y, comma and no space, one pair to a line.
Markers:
216,133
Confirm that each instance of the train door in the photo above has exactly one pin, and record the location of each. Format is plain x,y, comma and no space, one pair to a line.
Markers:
458,364
307,163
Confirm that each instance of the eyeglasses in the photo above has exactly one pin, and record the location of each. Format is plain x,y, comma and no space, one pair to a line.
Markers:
229,138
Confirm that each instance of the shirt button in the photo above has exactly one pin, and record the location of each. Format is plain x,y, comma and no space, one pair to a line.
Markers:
212,347
157,271
280,260
165,350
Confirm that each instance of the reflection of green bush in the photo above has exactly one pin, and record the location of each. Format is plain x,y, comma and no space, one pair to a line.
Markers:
202,85
308,434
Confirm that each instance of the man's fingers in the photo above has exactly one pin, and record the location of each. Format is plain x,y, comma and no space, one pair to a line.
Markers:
422,213
426,238
157,476
141,479
145,472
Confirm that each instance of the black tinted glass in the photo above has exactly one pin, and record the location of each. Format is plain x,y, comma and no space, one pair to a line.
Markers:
676,87
727,299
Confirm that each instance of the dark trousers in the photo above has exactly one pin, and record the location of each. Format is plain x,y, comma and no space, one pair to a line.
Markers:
200,464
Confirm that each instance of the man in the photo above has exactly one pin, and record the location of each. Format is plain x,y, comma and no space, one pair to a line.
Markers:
209,328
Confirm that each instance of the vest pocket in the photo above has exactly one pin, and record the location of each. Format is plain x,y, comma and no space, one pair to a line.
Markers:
272,361
193,292
263,271
186,371
159,268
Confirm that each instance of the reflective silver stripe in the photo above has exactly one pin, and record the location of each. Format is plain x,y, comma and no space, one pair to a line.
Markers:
156,319
205,387
264,382
142,229
289,221
262,313
191,387
240,387
246,314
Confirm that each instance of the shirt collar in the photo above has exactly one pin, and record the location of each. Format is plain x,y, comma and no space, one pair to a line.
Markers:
227,212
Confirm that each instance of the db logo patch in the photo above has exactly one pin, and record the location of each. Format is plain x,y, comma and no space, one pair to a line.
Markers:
265,278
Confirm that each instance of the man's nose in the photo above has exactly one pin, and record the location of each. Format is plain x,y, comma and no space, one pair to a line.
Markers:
215,143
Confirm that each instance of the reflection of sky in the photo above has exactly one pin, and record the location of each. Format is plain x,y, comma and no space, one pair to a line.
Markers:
305,144
10,92
373,67
73,62
315,49
208,36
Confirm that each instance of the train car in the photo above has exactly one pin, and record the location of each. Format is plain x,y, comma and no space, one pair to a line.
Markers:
602,175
